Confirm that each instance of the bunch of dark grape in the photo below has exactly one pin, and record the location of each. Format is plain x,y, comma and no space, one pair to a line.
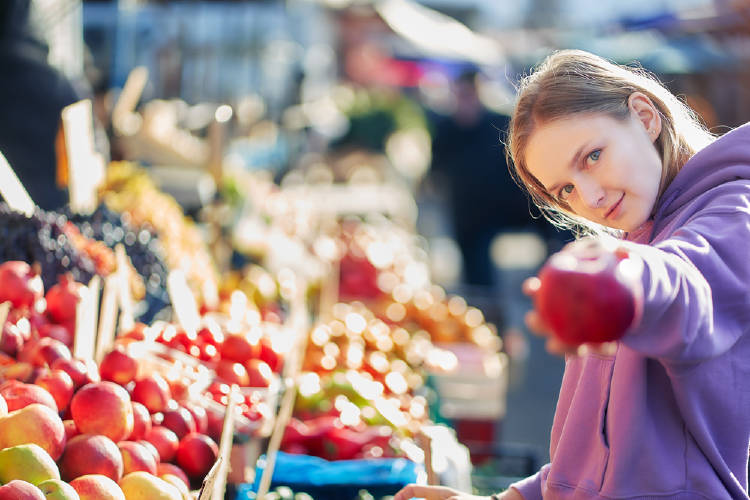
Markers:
41,239
141,244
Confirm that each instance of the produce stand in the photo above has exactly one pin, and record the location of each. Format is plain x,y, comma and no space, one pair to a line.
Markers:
327,364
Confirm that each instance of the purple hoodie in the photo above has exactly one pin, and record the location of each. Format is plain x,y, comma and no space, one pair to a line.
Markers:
668,416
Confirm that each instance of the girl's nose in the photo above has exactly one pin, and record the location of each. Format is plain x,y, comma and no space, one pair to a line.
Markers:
592,194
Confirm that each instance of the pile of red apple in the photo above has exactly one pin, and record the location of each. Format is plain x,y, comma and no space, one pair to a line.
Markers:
245,357
34,313
103,429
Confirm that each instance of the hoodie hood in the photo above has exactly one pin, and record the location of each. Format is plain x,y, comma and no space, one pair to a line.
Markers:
724,160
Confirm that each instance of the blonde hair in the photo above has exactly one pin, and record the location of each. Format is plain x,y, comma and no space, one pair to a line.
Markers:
570,82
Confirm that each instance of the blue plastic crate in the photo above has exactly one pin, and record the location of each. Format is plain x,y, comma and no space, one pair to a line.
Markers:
335,480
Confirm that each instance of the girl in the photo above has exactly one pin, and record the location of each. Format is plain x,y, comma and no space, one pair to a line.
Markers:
666,413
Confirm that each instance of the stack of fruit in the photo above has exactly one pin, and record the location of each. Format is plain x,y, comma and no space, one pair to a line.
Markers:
104,229
215,358
129,189
42,239
67,425
358,393
34,315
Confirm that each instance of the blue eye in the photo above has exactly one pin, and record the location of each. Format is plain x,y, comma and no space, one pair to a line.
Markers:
565,191
595,154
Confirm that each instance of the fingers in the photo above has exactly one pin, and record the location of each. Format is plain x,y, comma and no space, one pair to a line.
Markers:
531,285
555,346
536,324
426,492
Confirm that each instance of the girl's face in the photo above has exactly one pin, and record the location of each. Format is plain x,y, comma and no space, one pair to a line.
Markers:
605,170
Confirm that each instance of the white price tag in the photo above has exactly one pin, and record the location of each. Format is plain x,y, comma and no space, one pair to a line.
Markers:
85,165
183,302
107,317
13,191
86,315
127,319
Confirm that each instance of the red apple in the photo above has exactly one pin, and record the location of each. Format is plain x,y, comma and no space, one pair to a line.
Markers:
232,373
71,430
62,299
78,371
33,424
152,391
166,468
20,490
588,293
151,449
19,284
103,408
164,440
91,454
97,487
47,350
141,421
57,332
199,415
268,354
18,395
118,366
179,420
210,333
197,454
11,339
59,384
239,347
259,373
20,371
136,457
215,422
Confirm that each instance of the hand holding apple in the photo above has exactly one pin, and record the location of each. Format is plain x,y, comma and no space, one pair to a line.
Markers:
588,293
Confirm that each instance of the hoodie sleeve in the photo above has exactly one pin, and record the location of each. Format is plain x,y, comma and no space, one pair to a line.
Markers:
696,292
531,487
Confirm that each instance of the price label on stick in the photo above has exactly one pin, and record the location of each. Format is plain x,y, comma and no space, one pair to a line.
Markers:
127,320
183,302
85,165
12,191
86,315
107,317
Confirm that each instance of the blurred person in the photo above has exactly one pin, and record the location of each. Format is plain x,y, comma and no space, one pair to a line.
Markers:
32,96
469,167
661,412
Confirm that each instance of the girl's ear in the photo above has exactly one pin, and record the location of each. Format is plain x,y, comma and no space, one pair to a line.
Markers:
643,109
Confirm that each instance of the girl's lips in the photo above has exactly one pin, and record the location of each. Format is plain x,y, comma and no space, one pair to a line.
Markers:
613,212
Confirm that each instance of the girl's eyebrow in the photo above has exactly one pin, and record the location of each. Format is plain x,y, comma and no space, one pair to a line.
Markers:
573,162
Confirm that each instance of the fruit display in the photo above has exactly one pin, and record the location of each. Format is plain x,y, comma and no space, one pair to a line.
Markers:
145,420
107,228
115,429
42,239
129,189
589,293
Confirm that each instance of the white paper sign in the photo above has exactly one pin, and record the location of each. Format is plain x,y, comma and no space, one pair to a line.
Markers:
12,191
127,320
85,165
107,317
183,302
86,316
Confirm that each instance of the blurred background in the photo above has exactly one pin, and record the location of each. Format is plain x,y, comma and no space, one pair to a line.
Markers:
393,108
